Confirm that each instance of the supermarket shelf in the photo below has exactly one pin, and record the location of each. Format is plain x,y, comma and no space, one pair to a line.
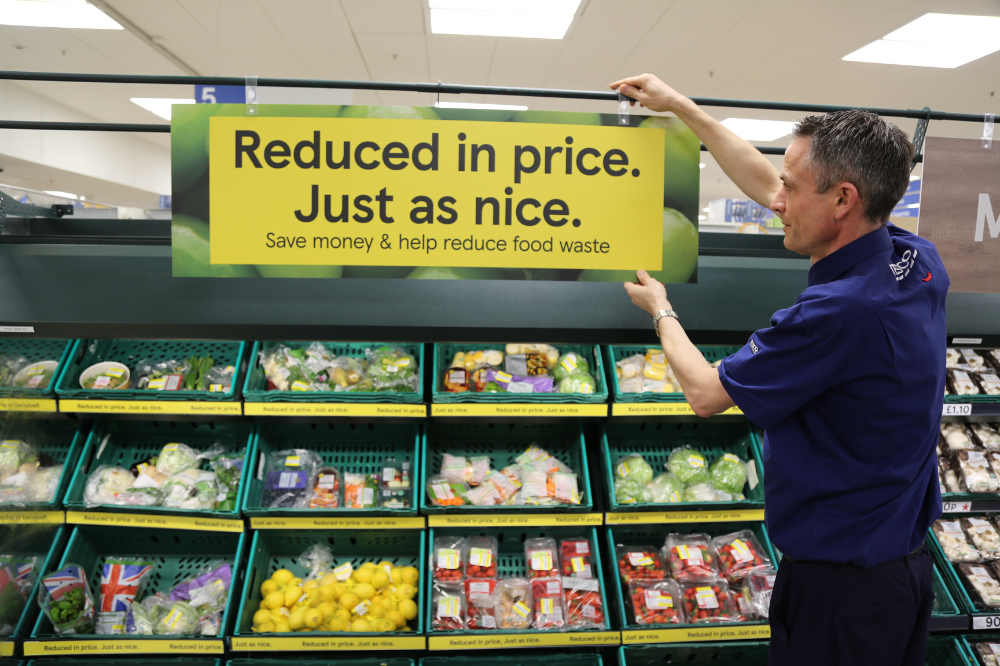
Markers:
494,639
518,409
6,648
155,520
662,409
338,523
741,631
118,646
966,505
516,520
949,623
334,409
27,517
151,407
41,405
694,516
326,642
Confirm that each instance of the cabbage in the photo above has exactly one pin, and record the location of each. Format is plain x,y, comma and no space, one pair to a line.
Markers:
191,489
631,491
578,382
176,458
689,466
729,474
635,467
14,453
702,492
666,489
177,618
570,364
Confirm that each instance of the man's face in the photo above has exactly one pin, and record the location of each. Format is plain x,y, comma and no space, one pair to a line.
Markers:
808,217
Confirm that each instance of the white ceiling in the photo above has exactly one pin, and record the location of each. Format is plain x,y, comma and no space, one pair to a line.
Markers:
782,50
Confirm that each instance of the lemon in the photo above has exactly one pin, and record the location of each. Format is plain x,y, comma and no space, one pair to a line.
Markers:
296,581
275,600
262,605
292,595
410,575
282,577
261,616
363,575
268,587
408,609
387,604
367,565
397,618
305,629
377,612
310,585
364,591
297,620
339,590
397,575
361,625
342,614
349,600
283,627
338,624
328,579
327,593
313,618
264,627
380,580
406,591
385,624
326,609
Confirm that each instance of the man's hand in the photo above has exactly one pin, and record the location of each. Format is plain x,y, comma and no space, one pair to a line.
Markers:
650,295
651,93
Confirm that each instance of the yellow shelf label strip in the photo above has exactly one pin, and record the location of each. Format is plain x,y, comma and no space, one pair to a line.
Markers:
123,646
654,517
32,517
6,648
326,642
512,519
200,523
525,640
28,405
333,409
519,409
660,409
689,634
150,407
338,523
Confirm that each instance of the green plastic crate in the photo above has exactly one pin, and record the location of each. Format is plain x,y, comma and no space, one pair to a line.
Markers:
318,662
347,447
511,564
503,442
515,658
736,653
86,353
656,536
968,644
655,440
945,605
953,580
81,660
60,440
444,352
615,353
280,549
125,443
179,555
255,387
45,541
947,651
35,351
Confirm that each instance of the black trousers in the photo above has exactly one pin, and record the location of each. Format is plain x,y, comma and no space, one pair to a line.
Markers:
826,613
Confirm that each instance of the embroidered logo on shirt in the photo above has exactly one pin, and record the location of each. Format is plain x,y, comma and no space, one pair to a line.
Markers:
753,346
902,269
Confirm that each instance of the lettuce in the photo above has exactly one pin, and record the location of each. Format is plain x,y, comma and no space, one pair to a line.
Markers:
666,489
578,382
689,466
729,474
634,467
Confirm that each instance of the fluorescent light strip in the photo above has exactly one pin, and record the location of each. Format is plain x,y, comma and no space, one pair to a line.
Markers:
64,195
55,14
943,41
499,24
752,129
161,106
557,7
701,165
470,105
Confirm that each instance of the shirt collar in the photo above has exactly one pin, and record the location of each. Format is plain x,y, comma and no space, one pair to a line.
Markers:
832,266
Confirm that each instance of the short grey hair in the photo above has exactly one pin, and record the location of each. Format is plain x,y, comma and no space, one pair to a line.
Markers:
860,148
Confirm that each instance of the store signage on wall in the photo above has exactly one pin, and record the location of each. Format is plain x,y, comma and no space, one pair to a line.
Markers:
960,210
354,191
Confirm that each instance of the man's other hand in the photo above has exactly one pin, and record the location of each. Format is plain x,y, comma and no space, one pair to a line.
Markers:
649,295
650,92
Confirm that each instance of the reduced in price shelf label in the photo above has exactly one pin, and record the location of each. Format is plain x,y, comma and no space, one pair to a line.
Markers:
123,646
6,648
511,519
519,409
32,517
731,632
150,407
986,622
155,520
657,517
327,643
27,405
661,409
481,642
338,523
333,409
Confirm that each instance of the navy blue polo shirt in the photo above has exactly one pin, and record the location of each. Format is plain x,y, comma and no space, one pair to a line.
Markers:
848,384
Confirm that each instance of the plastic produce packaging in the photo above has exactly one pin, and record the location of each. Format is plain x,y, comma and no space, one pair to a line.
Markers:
287,475
955,437
392,369
65,599
228,468
17,577
983,535
962,383
976,472
988,437
175,458
191,489
176,618
578,382
541,557
635,467
446,491
325,489
639,563
707,602
574,558
632,491
122,580
35,376
656,602
361,490
666,489
569,364
988,653
219,379
481,604
691,558
550,606
395,485
483,555
689,466
514,609
449,607
704,492
113,485
954,543
112,376
448,560
757,587
153,375
457,467
729,473
983,586
739,553
584,606
14,453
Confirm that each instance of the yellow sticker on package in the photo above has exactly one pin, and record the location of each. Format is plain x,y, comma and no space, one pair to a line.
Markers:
393,192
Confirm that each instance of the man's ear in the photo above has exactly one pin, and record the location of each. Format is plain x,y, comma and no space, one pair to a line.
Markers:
847,200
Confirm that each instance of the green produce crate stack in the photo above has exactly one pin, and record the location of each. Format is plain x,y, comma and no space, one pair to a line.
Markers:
179,555
655,440
953,580
359,448
945,605
503,442
126,443
61,441
445,352
969,641
35,351
44,541
255,387
615,353
86,353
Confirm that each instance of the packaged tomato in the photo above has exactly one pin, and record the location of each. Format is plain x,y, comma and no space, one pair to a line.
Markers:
541,557
757,587
448,558
574,558
739,553
483,555
584,606
514,604
480,593
639,563
550,610
656,602
691,558
708,602
448,604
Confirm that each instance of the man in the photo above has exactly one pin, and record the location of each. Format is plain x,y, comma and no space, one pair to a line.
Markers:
848,384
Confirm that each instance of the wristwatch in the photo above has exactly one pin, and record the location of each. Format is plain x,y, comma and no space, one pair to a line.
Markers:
660,315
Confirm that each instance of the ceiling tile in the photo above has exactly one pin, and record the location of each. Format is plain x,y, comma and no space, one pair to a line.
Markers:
460,58
244,16
206,12
258,54
395,57
386,16
763,29
524,63
617,22
582,66
694,23
300,17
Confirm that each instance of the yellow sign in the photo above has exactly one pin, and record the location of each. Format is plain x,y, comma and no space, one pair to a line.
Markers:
660,409
332,409
524,640
15,517
325,642
27,405
120,646
338,523
6,648
394,192
691,633
205,524
656,518
150,407
519,519
519,409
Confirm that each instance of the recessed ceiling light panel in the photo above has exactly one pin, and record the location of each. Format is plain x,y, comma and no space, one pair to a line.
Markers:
470,105
161,106
752,129
55,14
934,40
